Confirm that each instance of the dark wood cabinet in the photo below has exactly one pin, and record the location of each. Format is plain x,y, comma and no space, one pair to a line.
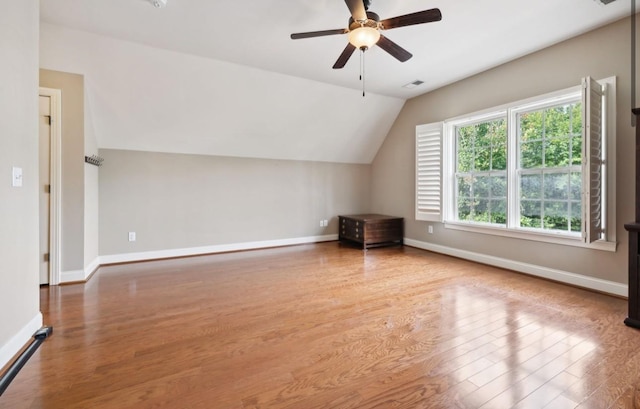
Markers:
371,230
633,320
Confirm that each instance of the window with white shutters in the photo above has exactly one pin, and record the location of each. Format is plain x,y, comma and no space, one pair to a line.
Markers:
533,169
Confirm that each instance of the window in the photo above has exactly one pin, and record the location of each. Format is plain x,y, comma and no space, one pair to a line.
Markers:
481,171
549,166
534,169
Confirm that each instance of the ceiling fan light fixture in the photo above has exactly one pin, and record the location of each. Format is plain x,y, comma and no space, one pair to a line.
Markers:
364,37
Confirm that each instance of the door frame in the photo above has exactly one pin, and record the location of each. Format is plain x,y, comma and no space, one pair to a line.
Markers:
55,172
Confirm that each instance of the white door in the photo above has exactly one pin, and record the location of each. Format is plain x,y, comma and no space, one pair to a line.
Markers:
45,186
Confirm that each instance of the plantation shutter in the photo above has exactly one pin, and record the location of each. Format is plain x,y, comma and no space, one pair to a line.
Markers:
592,162
429,172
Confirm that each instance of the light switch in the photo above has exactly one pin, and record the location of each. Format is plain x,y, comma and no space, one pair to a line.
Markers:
16,179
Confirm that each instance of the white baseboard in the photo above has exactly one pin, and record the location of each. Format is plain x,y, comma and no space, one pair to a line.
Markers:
609,287
605,286
18,341
93,266
72,276
221,248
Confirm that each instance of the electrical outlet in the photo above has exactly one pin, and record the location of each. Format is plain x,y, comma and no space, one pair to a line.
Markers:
321,223
132,236
325,223
430,229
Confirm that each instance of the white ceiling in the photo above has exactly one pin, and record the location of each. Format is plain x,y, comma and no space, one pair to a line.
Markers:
223,77
473,35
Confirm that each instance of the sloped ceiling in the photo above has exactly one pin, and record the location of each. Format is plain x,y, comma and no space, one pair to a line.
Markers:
224,78
148,99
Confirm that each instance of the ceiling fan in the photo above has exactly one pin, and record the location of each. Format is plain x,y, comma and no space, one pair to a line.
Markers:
364,30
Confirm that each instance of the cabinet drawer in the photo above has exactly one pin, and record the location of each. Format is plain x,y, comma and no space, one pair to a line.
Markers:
352,229
384,231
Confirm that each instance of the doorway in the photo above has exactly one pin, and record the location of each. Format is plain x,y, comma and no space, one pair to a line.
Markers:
50,127
44,160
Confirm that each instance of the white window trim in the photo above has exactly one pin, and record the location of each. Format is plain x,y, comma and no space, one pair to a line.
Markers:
562,238
545,237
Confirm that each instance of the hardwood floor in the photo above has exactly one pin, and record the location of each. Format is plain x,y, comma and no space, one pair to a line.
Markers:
327,326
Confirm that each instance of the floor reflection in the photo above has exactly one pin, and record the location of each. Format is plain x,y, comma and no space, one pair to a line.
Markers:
507,355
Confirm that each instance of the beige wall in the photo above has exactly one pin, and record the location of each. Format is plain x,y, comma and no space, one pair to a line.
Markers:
175,201
72,189
19,294
600,54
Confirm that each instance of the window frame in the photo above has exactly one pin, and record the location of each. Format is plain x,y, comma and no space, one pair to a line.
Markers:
573,95
448,211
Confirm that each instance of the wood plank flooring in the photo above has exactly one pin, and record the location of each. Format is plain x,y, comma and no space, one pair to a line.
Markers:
328,326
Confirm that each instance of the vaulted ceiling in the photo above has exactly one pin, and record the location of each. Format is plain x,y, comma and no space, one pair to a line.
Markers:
224,78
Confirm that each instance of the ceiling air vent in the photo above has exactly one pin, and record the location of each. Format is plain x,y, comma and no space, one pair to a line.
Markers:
158,3
413,84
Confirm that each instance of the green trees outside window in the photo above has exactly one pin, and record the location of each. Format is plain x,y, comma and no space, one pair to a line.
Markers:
481,172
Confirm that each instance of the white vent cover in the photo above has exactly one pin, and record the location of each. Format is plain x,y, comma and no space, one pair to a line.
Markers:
413,84
158,3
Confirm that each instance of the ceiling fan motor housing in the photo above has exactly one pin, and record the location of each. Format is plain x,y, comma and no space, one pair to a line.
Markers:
371,21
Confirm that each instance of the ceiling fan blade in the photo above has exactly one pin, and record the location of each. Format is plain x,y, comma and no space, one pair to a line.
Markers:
426,16
297,36
394,49
344,57
356,7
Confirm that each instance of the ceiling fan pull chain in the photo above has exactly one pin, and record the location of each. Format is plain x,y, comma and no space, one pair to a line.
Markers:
361,55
